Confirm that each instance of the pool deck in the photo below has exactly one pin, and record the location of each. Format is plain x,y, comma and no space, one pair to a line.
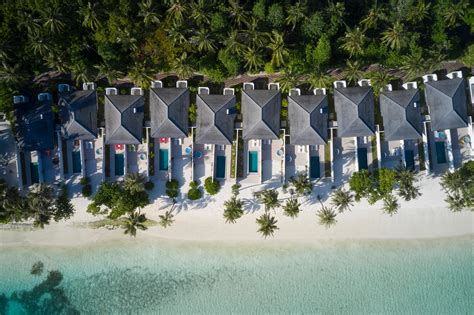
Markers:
181,163
344,159
134,163
203,165
272,163
392,155
298,159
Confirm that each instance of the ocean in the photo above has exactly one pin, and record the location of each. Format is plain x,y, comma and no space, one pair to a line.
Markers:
150,276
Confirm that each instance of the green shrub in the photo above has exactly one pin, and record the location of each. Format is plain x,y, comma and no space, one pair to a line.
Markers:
149,185
194,192
85,181
87,190
235,189
211,186
172,188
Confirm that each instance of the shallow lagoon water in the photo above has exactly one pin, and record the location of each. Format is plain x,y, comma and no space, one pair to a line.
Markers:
145,276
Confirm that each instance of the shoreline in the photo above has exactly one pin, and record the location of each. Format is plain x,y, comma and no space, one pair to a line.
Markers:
424,218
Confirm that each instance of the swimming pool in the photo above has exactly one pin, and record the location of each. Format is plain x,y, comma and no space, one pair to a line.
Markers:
34,172
410,160
119,164
76,162
441,152
220,166
163,160
362,157
253,161
314,167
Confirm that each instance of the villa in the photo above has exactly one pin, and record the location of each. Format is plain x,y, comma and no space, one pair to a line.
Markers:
169,132
77,139
403,126
261,131
124,133
308,123
451,128
355,127
34,126
215,131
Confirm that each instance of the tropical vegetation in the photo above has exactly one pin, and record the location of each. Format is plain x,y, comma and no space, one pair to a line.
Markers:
459,187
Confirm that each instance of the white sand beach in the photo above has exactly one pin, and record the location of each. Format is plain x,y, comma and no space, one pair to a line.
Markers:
426,217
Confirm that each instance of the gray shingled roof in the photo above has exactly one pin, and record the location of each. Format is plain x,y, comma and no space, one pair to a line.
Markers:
122,125
34,133
169,108
79,115
446,100
261,114
355,111
401,119
308,126
214,125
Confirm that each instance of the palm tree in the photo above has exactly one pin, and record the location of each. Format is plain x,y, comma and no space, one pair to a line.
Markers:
319,80
390,204
141,74
456,202
237,13
57,61
327,216
379,79
342,199
353,41
80,72
233,210
269,198
39,45
374,16
182,67
203,41
453,12
134,182
90,15
147,12
352,73
279,52
419,12
302,184
413,64
406,189
106,71
134,222
267,225
29,22
253,59
296,13
393,36
232,43
166,219
175,12
292,208
199,12
288,80
40,203
52,18
253,36
12,75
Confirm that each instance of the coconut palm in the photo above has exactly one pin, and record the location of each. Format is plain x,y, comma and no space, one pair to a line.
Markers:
407,189
269,198
203,41
237,13
302,184
39,45
134,222
319,80
57,61
182,67
419,12
413,64
379,79
147,12
52,18
393,36
253,36
233,210
375,15
342,199
456,202
390,204
267,225
353,41
279,51
29,22
296,13
80,72
327,216
253,59
134,182
12,75
106,71
352,73
288,80
199,12
141,74
175,12
232,43
166,219
453,12
40,202
90,15
291,208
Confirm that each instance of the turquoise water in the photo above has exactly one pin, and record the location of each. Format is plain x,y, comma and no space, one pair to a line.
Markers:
163,160
253,161
119,164
440,152
76,162
314,167
155,276
362,157
220,166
